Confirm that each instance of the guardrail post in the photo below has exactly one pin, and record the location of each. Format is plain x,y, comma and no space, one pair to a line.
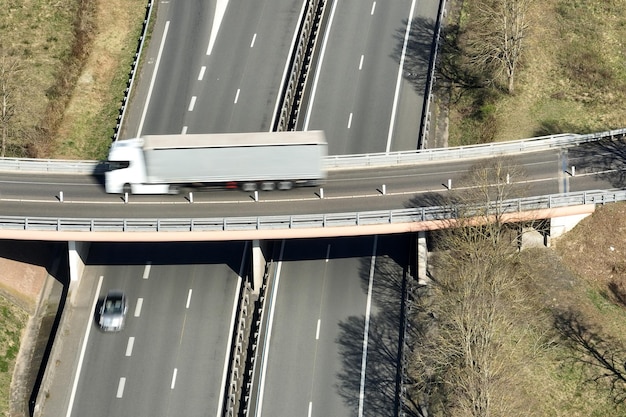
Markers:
573,170
61,196
321,192
190,197
256,195
508,178
125,198
384,189
449,183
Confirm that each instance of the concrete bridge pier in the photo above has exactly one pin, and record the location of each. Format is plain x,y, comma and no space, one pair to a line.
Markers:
561,225
422,259
77,255
259,260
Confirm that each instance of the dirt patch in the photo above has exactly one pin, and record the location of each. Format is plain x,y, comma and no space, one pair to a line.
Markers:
24,269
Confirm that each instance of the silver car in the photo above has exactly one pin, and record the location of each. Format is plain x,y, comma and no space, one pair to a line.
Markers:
113,311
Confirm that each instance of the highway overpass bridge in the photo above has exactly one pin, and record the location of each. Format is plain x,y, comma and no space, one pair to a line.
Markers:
217,90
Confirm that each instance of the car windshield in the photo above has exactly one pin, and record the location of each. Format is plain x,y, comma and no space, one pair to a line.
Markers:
113,305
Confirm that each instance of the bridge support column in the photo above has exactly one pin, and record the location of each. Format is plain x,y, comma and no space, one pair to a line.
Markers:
562,225
77,255
258,265
422,259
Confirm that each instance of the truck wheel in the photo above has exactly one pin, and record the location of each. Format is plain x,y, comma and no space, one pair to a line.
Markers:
248,186
127,189
268,186
285,185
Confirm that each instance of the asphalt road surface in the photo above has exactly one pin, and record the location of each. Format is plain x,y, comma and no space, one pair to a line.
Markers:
170,357
333,341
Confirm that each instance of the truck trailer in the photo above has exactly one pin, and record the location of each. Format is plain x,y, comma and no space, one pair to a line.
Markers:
163,164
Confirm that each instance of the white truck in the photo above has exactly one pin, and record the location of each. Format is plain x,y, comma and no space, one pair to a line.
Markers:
162,164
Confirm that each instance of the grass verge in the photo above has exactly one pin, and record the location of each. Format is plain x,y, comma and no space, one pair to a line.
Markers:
12,322
572,77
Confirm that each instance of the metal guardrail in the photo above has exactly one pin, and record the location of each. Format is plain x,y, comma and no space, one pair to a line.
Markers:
409,215
354,161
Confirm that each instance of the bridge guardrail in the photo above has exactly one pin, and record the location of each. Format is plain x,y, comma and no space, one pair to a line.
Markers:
352,161
379,217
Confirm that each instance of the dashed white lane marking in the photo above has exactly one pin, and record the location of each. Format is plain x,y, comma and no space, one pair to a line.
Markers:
350,121
237,95
120,387
317,332
173,384
129,346
202,71
188,298
361,63
310,407
192,103
184,131
146,270
138,307
253,39
373,8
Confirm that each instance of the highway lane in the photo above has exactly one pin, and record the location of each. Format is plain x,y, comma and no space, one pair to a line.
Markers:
320,353
362,88
538,173
172,353
231,86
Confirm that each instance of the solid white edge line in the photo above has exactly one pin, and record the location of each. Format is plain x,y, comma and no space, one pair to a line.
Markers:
317,332
220,9
188,298
368,310
319,67
201,75
129,346
138,307
156,69
392,122
327,252
146,271
83,349
286,69
270,322
173,384
230,337
120,387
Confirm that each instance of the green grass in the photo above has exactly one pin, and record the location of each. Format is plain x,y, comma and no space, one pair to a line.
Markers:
572,77
12,322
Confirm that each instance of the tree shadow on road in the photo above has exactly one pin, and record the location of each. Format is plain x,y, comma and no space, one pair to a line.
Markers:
607,158
382,387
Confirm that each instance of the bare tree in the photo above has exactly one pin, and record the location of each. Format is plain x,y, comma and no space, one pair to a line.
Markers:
495,39
468,326
10,69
